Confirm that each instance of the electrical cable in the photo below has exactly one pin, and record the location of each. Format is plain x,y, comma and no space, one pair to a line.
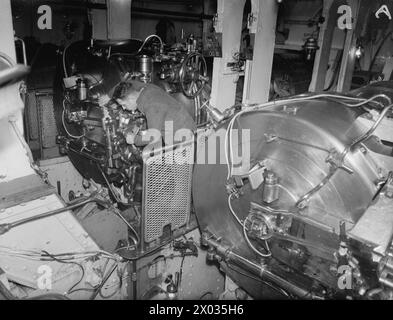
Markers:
263,255
118,287
373,127
232,211
181,272
68,262
205,294
104,280
37,255
96,290
243,224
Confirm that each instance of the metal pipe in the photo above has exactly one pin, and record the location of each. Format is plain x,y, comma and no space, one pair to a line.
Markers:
23,50
8,226
259,270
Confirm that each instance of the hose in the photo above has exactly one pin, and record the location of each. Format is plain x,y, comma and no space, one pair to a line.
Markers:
146,40
64,60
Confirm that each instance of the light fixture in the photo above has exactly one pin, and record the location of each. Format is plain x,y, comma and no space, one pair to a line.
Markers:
310,47
359,51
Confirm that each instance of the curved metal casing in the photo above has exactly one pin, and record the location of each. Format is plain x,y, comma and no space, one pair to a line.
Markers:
295,141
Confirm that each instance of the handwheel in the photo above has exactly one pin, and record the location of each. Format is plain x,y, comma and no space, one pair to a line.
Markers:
193,75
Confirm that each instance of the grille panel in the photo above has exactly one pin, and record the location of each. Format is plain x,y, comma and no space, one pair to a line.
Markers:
167,190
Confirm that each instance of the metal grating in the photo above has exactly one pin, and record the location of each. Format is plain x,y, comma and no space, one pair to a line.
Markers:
167,189
49,127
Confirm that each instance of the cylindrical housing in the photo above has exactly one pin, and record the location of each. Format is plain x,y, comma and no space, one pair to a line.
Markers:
145,67
82,89
270,188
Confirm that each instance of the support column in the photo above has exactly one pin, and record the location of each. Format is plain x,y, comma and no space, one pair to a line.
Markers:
349,58
259,71
114,23
325,40
229,23
119,19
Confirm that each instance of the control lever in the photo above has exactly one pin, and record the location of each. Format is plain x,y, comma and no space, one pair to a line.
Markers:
5,227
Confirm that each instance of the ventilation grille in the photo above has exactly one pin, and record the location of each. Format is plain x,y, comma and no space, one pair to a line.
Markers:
48,122
167,189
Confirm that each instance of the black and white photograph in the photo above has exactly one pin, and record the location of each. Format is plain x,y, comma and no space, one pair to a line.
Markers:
195,156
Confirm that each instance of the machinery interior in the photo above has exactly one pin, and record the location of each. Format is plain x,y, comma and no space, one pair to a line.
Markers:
283,188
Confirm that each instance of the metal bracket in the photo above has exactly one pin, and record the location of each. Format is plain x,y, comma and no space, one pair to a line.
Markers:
335,159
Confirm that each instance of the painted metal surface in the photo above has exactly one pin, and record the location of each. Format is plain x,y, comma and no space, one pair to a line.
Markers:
324,42
119,19
295,143
58,234
61,170
14,162
258,82
229,23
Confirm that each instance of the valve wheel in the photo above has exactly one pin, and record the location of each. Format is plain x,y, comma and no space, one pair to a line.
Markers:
193,75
